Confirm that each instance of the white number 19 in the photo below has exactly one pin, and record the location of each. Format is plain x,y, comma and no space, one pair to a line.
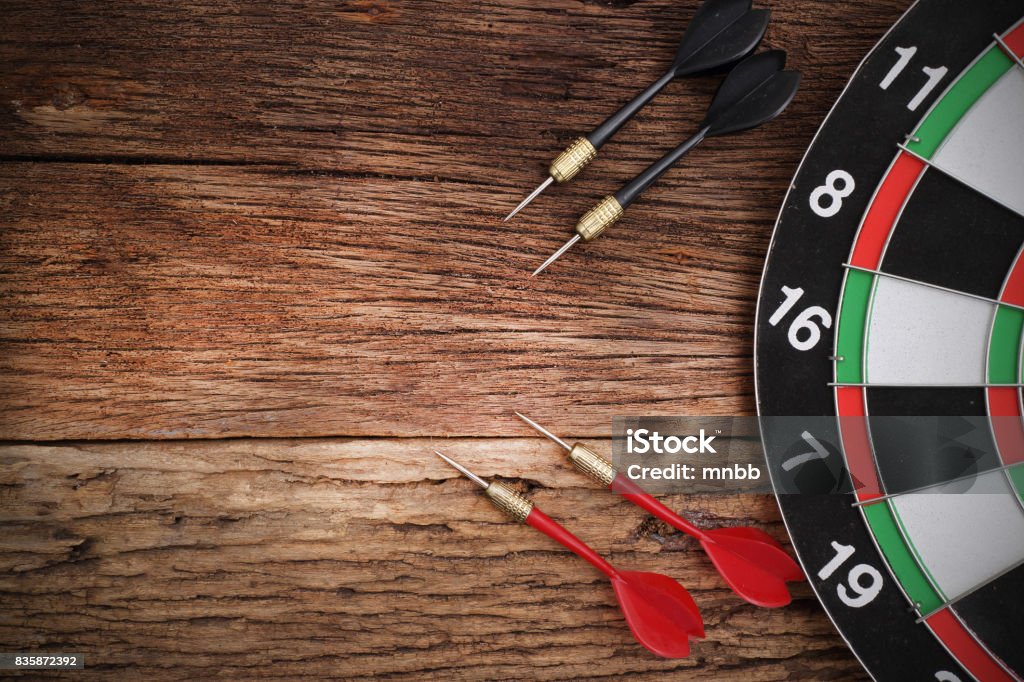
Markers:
863,592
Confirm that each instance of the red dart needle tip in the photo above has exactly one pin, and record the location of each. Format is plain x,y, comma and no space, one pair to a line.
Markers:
463,470
540,429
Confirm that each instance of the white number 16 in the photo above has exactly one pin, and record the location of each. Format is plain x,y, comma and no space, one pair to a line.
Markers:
803,324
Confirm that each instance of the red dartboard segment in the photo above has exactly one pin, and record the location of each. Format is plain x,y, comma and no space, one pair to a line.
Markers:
1013,292
882,214
853,430
1004,403
1015,40
962,644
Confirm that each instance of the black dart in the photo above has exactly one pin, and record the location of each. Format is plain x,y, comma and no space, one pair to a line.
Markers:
755,92
721,33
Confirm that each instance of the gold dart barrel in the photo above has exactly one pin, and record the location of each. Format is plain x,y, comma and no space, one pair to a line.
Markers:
574,159
565,167
598,219
582,457
592,464
509,501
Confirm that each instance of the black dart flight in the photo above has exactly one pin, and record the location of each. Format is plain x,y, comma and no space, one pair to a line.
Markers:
721,33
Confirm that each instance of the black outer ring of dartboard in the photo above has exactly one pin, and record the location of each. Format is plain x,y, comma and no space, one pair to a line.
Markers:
859,135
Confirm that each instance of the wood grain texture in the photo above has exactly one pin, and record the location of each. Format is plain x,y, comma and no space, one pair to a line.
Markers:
283,220
235,222
359,559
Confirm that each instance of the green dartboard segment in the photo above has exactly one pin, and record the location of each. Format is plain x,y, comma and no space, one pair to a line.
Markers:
904,564
1004,365
1004,346
1017,478
852,323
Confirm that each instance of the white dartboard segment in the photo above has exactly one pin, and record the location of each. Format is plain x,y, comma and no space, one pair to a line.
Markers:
922,335
986,148
964,539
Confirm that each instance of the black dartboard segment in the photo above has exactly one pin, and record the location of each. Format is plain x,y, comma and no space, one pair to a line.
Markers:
894,286
955,237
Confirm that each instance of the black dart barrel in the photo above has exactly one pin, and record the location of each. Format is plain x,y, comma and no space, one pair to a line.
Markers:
755,91
721,33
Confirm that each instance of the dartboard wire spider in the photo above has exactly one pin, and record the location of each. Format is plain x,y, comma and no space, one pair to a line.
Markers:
911,280
959,479
922,617
892,384
945,171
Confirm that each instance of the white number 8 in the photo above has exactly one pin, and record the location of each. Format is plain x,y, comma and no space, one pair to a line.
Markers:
834,193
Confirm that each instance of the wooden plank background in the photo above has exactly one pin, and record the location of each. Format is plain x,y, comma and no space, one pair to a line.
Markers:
253,270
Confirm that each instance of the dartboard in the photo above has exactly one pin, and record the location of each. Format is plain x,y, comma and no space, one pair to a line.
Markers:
894,290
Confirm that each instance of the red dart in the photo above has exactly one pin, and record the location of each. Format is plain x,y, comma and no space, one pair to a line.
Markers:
752,563
660,612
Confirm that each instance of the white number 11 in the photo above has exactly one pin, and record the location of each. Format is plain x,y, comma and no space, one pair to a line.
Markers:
934,74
